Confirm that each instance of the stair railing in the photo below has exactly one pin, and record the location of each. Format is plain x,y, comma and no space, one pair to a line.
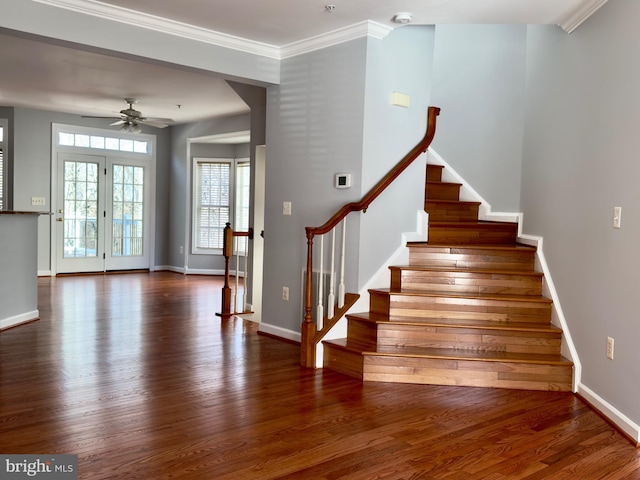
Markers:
229,246
313,332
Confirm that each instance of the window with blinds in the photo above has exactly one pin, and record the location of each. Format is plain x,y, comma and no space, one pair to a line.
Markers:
2,169
221,195
242,185
212,204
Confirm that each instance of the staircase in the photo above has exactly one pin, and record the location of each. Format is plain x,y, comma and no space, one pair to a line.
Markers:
467,310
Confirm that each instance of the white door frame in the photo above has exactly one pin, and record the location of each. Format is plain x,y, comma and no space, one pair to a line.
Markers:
56,128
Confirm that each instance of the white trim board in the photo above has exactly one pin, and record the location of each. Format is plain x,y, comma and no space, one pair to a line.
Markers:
280,332
19,319
468,194
618,418
568,347
367,28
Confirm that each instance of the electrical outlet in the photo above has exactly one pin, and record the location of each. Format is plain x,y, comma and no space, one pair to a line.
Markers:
286,208
610,348
285,294
181,249
38,201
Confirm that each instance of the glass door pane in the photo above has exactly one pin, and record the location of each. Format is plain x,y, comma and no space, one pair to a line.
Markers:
127,223
80,236
79,219
127,215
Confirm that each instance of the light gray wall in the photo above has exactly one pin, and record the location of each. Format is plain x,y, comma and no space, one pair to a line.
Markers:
314,130
403,63
32,171
581,160
180,186
478,82
100,32
332,113
18,275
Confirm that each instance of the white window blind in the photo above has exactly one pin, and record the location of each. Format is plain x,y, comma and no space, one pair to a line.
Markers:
212,203
2,170
242,185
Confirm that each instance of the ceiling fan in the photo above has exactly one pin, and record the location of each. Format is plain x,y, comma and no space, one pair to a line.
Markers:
130,119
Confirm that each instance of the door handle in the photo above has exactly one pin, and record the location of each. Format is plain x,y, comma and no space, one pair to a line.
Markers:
59,219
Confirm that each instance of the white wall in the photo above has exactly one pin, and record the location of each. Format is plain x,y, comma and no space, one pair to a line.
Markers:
332,113
403,63
478,81
581,160
314,130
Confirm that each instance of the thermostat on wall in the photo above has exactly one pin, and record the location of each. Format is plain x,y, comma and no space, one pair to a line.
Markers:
343,180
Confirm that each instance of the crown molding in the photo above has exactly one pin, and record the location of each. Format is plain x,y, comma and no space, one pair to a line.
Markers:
163,25
367,28
191,32
581,13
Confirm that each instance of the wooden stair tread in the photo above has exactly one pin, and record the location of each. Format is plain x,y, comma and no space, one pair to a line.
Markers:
435,182
489,246
466,224
449,354
449,269
457,323
452,202
472,296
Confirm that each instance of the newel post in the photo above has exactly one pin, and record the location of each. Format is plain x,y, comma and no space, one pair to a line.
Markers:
308,330
227,251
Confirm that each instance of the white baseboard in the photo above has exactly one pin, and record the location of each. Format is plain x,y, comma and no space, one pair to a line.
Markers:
468,194
618,418
558,318
168,268
280,332
45,273
18,319
204,271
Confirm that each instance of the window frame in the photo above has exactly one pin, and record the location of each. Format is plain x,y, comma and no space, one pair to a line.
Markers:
233,163
4,165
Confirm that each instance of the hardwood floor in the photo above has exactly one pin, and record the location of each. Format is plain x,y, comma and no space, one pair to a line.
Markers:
136,375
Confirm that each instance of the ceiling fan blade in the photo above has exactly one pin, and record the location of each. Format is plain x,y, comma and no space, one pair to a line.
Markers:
153,123
160,120
118,122
98,116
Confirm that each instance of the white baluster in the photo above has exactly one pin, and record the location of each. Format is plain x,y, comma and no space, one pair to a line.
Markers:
235,297
320,310
341,288
245,282
331,299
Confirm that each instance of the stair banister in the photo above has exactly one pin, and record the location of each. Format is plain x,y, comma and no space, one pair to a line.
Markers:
309,338
227,252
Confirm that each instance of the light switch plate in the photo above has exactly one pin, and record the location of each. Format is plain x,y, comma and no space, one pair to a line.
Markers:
617,217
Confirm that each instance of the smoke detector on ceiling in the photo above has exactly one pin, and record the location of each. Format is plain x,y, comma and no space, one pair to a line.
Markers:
403,18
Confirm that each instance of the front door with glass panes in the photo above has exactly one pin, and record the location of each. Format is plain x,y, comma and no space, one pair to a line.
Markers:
102,214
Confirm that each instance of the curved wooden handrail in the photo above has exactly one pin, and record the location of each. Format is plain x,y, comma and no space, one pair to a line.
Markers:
308,337
381,186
